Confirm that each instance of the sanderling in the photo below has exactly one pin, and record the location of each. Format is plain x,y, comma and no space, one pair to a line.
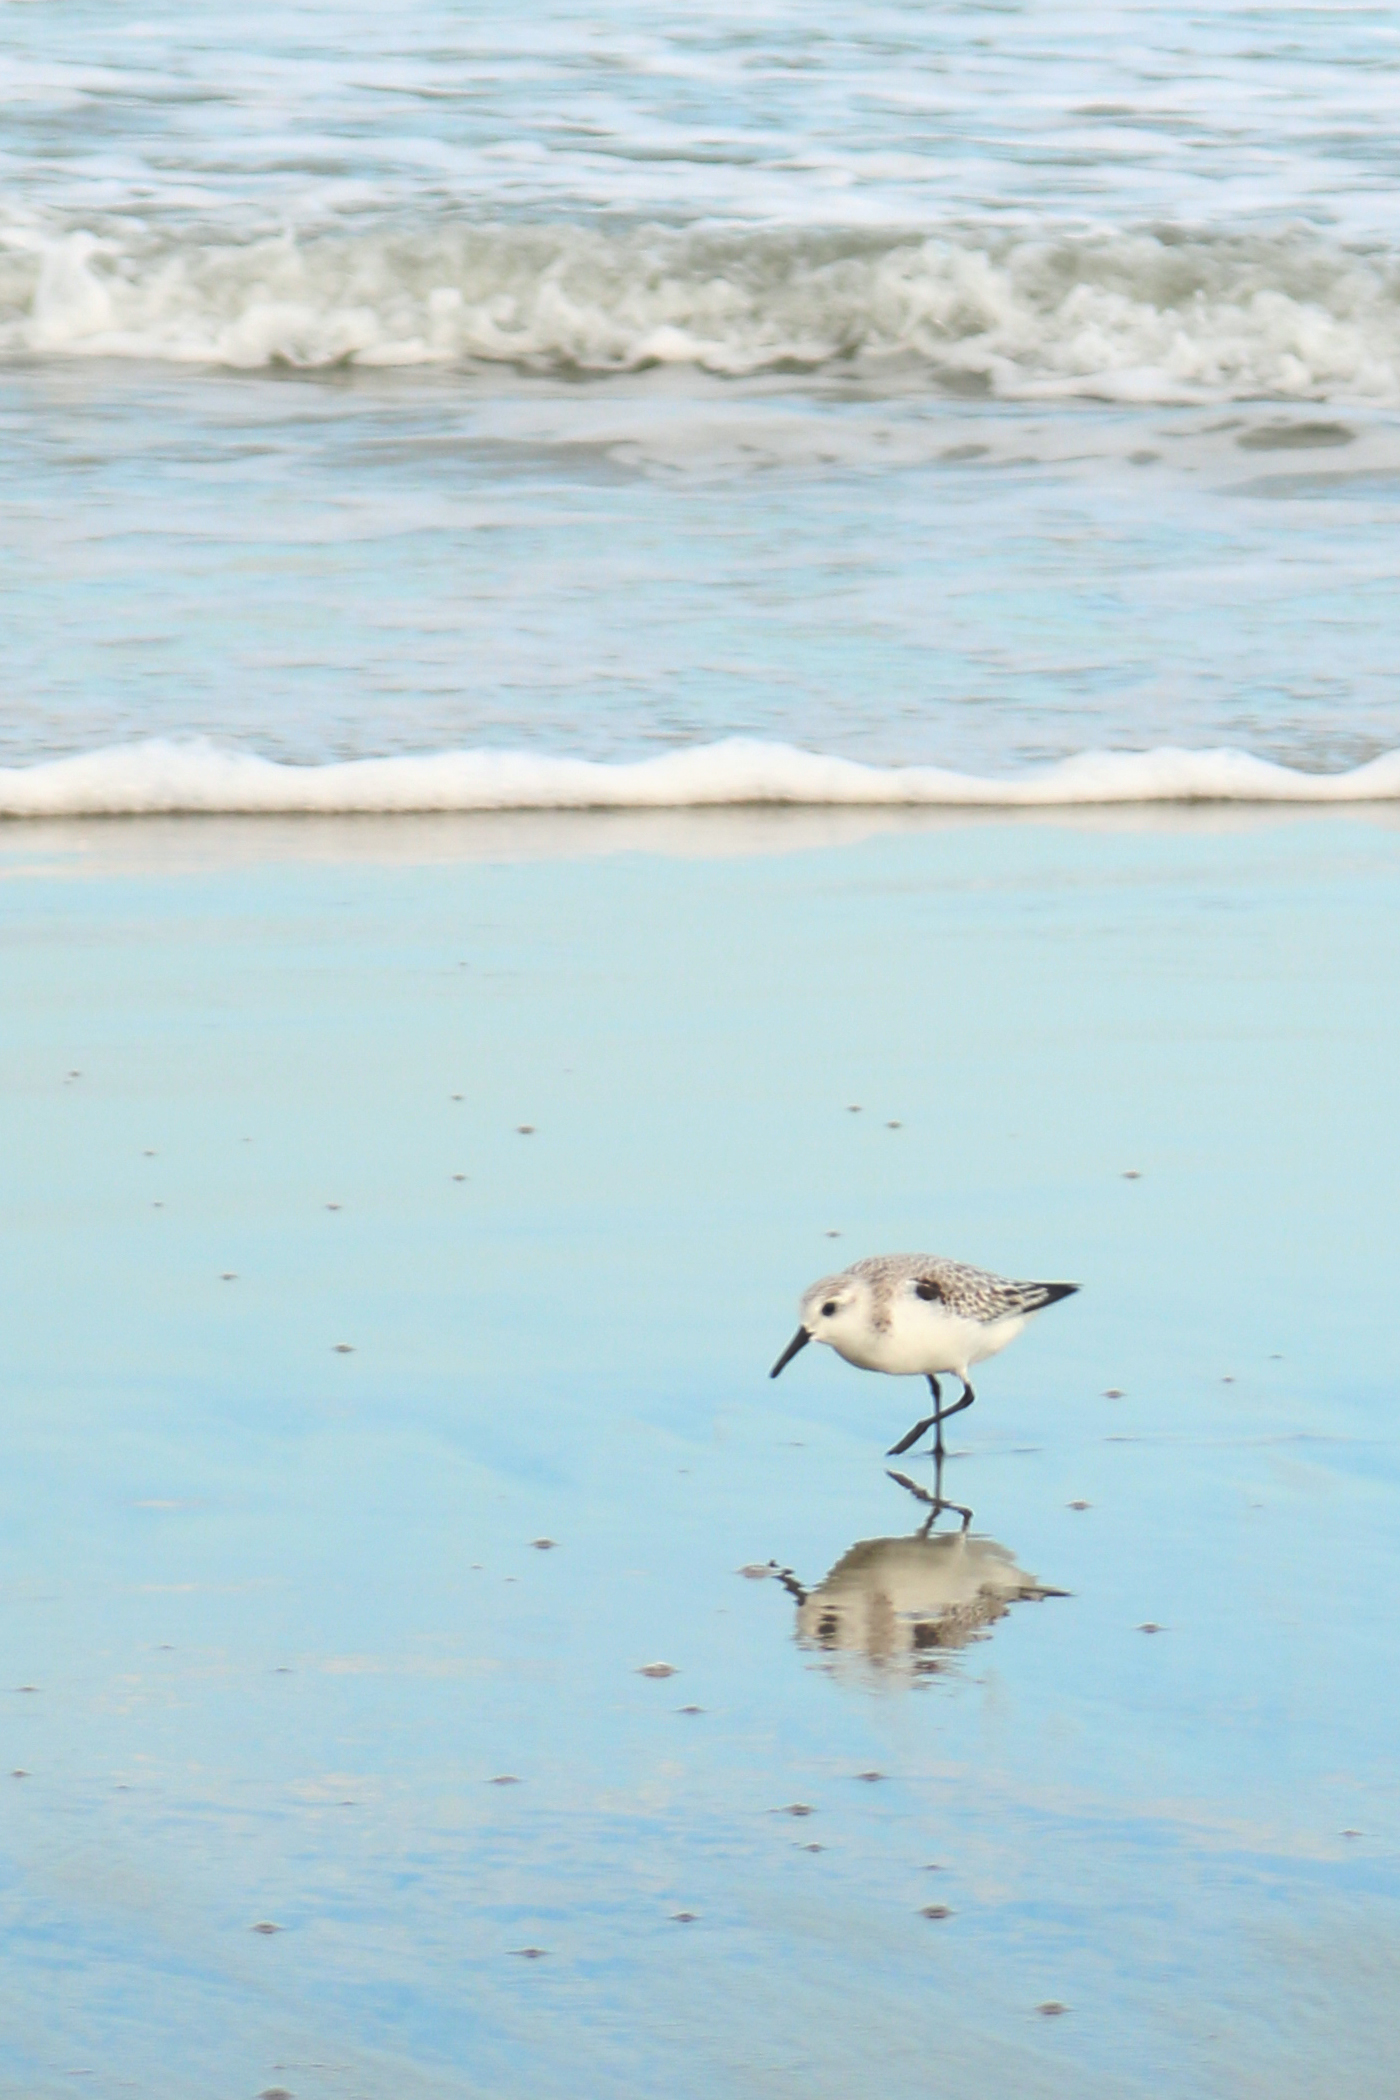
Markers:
918,1315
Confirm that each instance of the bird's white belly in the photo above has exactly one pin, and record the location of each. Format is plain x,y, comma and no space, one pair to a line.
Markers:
923,1337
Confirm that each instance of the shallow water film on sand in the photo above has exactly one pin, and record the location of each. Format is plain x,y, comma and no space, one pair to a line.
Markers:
440,1661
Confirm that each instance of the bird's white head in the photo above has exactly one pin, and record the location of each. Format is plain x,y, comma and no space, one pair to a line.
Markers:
837,1310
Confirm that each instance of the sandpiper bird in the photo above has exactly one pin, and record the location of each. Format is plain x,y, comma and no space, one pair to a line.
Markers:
917,1314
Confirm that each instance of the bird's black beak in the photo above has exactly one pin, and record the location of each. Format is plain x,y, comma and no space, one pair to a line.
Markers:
799,1341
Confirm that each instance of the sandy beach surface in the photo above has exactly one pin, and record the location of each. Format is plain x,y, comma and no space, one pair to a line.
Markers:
402,1217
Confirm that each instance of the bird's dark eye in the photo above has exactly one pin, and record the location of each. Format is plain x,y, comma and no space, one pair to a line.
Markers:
829,1308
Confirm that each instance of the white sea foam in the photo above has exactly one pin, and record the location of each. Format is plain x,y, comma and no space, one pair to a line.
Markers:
1148,316
199,778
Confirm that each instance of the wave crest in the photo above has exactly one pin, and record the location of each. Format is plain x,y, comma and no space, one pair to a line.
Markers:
198,778
1148,316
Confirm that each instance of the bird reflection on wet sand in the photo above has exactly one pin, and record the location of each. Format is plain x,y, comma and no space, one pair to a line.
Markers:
905,1604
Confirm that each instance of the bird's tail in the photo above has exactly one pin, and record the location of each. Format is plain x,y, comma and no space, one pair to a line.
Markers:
1033,1296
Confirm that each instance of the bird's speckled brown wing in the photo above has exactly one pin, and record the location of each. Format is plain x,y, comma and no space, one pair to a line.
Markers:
970,1294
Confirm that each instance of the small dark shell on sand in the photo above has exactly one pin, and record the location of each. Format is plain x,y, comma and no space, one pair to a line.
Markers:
344,1349
504,1779
1151,1626
935,1910
795,1808
1052,2008
524,1129
1079,1505
1113,1392
657,1670
530,1953
544,1545
684,1917
265,1926
870,1775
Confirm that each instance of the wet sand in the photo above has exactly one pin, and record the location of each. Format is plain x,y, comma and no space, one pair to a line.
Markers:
350,1504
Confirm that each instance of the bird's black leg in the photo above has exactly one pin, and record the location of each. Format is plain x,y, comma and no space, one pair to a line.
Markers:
968,1396
913,1435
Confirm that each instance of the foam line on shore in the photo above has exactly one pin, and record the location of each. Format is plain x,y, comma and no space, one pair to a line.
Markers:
162,778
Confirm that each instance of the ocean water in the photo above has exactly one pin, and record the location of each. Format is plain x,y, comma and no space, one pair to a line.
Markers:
966,390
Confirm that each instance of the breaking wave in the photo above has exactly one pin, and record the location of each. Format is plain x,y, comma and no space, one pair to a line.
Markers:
199,778
1151,316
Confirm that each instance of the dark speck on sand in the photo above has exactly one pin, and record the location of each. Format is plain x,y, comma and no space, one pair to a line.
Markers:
795,1808
265,1926
504,1779
530,1953
345,1349
544,1545
657,1670
1151,1626
525,1129
683,1917
1052,2008
935,1910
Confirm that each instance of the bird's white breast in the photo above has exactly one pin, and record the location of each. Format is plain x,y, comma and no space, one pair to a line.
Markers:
917,1335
